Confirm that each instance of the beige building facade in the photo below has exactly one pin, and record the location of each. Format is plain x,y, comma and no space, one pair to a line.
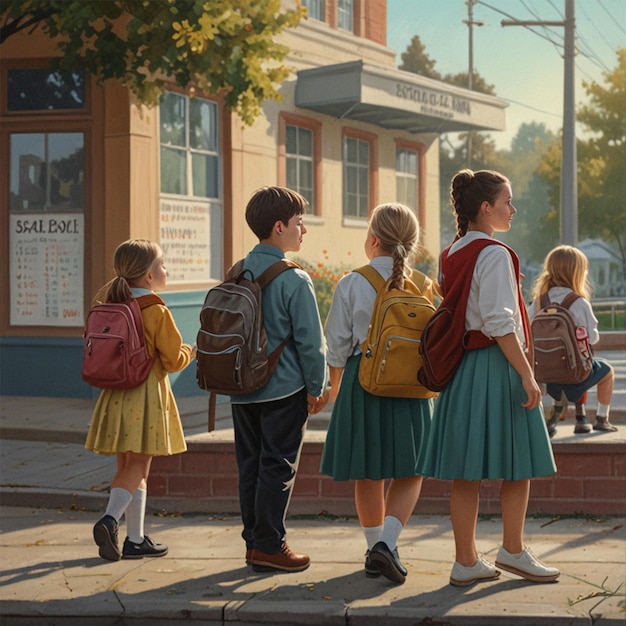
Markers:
83,167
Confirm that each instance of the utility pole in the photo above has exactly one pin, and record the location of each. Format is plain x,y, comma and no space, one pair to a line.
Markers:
569,177
470,24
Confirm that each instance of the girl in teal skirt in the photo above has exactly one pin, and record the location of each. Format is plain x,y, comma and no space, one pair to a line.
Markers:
372,438
488,421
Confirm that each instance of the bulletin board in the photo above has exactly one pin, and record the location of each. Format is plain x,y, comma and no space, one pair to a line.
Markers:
46,256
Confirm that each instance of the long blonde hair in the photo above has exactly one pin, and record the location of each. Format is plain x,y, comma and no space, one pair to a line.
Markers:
397,229
131,260
564,266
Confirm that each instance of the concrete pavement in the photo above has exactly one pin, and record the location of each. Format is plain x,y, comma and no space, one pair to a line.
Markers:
51,574
52,491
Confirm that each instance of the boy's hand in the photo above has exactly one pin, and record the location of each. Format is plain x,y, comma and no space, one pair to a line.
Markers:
315,405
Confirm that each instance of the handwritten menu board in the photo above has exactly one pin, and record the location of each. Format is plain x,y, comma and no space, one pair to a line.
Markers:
46,269
185,238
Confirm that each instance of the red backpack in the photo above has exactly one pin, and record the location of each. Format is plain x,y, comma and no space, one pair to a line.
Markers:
444,339
114,353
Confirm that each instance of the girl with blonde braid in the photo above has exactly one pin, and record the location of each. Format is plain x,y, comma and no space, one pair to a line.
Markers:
372,438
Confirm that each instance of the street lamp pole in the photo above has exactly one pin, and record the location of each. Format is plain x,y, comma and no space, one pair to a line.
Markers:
569,177
470,80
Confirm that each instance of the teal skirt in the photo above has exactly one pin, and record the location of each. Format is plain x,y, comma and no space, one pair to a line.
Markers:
479,428
371,437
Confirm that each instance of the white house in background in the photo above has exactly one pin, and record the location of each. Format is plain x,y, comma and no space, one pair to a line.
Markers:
606,269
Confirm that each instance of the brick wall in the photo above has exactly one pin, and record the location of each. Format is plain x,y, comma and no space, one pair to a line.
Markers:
591,479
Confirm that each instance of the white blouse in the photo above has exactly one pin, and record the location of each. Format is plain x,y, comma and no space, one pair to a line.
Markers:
493,305
350,313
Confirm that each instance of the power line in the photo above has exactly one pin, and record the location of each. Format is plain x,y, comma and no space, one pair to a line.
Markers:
616,22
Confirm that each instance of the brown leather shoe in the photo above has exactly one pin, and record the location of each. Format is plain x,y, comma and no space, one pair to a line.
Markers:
248,555
285,560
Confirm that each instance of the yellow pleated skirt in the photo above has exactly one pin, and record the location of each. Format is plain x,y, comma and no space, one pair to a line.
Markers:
144,420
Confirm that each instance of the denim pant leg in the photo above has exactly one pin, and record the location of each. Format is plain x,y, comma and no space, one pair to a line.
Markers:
268,441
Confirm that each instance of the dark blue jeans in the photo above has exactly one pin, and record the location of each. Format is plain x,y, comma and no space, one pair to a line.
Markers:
268,439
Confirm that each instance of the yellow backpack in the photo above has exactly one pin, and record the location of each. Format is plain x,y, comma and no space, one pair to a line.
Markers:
390,356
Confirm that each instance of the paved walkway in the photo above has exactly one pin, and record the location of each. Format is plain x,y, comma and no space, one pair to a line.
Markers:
50,572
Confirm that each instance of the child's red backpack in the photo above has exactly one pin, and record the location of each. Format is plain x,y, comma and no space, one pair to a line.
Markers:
114,353
562,352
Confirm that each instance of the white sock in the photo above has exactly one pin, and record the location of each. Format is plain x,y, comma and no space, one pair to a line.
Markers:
119,499
603,410
372,535
135,514
391,531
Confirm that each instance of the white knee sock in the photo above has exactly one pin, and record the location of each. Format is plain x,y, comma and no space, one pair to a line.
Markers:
135,515
119,499
372,535
391,531
603,410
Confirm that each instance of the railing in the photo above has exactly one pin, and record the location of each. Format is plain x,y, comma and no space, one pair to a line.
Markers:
613,306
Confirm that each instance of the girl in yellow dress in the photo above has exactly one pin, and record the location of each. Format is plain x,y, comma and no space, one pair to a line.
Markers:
137,424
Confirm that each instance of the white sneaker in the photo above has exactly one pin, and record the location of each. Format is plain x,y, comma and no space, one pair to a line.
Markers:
526,565
462,576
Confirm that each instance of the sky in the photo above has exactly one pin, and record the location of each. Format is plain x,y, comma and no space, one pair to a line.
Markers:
525,64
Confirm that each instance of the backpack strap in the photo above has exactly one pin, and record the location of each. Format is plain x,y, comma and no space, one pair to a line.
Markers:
569,300
148,300
378,282
372,276
274,270
267,276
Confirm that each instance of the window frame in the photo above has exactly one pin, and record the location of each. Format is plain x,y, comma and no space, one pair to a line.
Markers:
40,64
349,14
322,7
420,149
190,151
315,126
372,140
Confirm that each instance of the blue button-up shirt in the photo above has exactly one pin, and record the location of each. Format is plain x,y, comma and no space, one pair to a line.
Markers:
289,305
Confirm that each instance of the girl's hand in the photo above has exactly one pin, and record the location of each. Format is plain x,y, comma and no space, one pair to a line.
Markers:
532,391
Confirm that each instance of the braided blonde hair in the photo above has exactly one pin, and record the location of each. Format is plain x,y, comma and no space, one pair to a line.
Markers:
397,229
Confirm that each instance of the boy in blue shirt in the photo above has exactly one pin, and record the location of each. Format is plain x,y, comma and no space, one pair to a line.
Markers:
270,423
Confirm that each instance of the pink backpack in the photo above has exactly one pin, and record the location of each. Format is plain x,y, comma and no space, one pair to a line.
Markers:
114,352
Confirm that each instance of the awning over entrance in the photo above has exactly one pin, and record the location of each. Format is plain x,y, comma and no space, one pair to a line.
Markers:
396,99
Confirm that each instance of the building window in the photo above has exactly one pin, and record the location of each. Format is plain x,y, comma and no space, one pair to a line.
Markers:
46,172
189,146
300,157
299,162
356,177
345,15
40,89
407,178
315,9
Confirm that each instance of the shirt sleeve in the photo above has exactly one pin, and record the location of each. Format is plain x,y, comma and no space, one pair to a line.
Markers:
495,293
582,312
308,335
349,318
167,340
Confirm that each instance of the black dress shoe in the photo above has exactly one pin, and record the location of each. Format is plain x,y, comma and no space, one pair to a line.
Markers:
389,562
372,569
147,547
105,536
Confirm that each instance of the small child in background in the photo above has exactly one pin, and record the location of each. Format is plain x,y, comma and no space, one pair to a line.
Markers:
565,270
137,424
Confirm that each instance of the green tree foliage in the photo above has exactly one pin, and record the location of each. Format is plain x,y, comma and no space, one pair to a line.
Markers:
452,157
535,227
415,60
217,46
601,161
